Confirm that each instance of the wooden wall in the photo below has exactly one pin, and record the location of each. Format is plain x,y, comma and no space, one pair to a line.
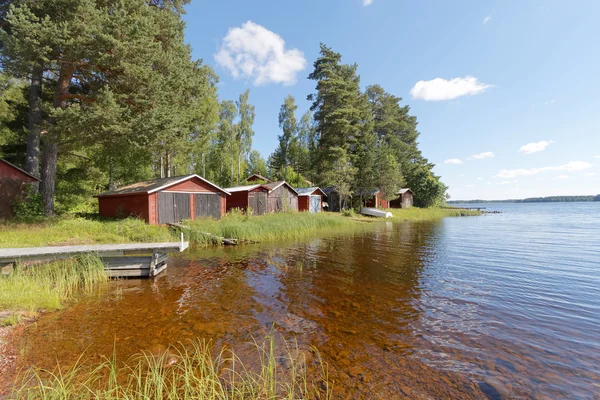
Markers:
282,199
125,206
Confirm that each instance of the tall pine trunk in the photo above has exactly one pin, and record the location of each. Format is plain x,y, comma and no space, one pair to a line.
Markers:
51,144
168,163
49,162
32,160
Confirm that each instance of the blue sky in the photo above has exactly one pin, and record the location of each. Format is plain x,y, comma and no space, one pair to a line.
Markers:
506,92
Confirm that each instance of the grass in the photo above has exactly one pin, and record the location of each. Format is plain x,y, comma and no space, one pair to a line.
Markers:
235,225
183,372
429,214
269,227
47,286
72,231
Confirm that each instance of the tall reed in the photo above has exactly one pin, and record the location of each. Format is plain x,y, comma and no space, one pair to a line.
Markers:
45,286
183,372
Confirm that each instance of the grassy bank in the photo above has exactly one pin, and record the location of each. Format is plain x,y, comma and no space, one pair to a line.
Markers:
266,228
72,231
190,372
47,286
271,227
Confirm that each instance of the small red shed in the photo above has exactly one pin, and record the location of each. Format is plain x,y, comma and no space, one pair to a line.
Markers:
253,196
165,200
310,199
404,200
13,181
376,200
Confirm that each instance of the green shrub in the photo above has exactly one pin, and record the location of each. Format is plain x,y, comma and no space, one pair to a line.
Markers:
30,205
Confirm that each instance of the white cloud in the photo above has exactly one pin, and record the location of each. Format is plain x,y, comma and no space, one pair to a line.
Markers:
598,156
479,178
254,52
470,186
453,161
504,183
441,89
550,102
568,167
487,19
481,156
562,177
488,183
531,148
367,2
590,174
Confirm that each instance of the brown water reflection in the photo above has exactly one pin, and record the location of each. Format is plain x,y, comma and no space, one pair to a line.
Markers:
374,304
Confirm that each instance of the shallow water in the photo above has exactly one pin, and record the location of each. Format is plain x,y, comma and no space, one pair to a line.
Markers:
503,305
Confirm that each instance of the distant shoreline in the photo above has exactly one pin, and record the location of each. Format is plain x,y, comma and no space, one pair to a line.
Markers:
549,199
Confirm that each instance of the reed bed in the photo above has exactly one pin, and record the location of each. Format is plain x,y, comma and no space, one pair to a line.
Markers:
269,227
46,286
183,372
429,214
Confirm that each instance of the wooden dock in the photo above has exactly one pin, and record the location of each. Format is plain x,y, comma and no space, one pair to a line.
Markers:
120,260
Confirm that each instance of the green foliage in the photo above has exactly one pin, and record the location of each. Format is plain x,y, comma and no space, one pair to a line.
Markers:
340,175
30,206
257,164
349,212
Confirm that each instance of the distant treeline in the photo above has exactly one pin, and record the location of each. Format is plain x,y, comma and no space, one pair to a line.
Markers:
549,199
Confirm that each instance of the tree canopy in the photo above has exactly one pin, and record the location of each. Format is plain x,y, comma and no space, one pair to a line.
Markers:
101,93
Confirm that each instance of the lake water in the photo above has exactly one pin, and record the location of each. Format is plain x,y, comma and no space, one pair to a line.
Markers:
498,306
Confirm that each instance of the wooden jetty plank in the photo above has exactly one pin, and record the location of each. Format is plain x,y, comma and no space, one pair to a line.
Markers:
56,252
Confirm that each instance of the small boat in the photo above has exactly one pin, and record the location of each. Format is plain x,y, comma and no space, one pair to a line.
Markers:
373,212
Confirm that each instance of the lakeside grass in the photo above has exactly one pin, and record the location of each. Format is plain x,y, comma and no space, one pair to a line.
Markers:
270,227
429,214
235,225
46,286
183,372
74,231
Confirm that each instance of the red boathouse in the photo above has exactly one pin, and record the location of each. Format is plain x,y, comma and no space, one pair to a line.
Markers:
165,200
13,181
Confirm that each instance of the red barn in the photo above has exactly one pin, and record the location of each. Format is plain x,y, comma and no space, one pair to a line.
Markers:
376,200
13,181
253,196
265,198
310,199
165,200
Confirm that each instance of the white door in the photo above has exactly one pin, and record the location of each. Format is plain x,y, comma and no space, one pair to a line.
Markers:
314,204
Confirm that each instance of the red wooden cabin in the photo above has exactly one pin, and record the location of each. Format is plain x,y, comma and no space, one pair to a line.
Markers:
253,196
13,181
165,200
377,201
262,199
404,200
310,199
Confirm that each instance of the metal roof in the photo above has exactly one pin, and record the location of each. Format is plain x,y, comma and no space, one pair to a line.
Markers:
309,191
242,188
154,185
402,191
